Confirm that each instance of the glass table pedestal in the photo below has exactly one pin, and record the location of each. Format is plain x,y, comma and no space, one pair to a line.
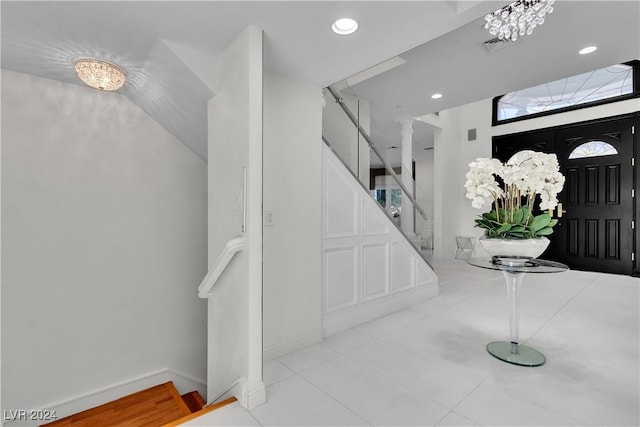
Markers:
514,270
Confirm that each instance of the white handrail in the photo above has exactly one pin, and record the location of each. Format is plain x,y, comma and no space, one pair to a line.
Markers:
230,249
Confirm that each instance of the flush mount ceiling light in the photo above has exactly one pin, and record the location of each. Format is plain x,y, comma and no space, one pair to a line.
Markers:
518,18
99,74
587,50
436,96
344,26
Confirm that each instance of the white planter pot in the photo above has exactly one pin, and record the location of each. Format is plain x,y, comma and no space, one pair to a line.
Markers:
525,248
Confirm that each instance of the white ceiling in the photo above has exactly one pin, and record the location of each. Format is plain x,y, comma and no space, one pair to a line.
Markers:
463,70
169,49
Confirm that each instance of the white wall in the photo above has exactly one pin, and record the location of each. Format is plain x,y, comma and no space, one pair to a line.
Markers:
452,147
424,190
235,141
292,244
369,269
477,116
104,245
446,180
1,401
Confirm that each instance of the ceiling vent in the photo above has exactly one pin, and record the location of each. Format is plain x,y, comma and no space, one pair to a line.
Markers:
496,44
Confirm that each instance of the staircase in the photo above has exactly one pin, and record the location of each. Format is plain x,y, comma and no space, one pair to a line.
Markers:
372,258
160,405
394,190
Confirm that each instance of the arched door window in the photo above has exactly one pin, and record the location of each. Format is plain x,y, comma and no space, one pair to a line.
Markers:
593,149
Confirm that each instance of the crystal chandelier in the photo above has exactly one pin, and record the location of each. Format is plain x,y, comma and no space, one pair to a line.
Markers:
100,74
518,18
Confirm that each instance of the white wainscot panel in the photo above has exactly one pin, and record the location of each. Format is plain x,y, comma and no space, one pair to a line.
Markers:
341,208
424,274
375,271
402,268
374,221
341,278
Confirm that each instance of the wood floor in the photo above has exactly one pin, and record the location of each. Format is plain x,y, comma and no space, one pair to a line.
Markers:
201,412
155,406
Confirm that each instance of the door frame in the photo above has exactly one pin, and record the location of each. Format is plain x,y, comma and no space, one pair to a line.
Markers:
635,117
636,188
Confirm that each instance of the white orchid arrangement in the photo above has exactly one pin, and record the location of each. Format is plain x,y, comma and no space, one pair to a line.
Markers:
525,176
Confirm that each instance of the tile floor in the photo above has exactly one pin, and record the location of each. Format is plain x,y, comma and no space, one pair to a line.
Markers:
427,365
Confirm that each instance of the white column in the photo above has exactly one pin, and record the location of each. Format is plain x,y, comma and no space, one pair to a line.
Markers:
255,392
235,313
406,217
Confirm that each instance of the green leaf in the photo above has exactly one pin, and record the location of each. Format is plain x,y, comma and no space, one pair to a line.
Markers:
483,223
527,216
539,222
505,227
517,235
517,228
518,216
490,216
544,231
552,223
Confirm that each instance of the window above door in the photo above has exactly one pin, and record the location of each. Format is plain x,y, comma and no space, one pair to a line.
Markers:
609,84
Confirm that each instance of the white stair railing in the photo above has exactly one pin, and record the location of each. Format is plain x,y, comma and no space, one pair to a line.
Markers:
230,249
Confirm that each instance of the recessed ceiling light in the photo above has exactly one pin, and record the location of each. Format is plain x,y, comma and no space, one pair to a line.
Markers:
588,49
99,74
436,96
344,26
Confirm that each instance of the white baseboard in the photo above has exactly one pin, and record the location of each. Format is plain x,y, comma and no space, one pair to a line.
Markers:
256,396
338,321
286,347
184,383
248,396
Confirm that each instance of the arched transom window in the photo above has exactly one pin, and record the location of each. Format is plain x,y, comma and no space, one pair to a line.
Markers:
593,149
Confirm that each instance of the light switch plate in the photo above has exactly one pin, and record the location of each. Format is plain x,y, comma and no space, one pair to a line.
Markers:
269,218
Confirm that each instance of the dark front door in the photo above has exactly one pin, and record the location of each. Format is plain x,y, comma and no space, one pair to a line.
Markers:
595,231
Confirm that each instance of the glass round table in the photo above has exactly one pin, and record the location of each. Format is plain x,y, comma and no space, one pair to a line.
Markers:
514,269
